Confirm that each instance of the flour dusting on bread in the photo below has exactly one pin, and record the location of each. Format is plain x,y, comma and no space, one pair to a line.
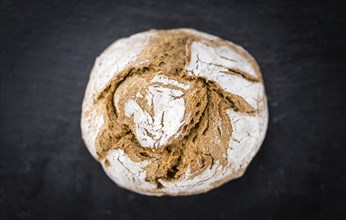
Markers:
174,112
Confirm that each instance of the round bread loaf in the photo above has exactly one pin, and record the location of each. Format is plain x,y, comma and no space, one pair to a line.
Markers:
174,112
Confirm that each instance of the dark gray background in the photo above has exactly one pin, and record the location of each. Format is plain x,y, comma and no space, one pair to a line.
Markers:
48,49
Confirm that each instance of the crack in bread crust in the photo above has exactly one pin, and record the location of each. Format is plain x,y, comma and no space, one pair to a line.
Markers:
202,137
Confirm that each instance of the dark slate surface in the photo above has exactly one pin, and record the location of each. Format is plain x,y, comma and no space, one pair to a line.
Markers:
48,49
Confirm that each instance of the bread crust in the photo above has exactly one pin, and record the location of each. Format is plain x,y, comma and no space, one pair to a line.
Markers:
216,86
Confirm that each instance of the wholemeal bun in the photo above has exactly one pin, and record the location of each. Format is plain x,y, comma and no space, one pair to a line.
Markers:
174,112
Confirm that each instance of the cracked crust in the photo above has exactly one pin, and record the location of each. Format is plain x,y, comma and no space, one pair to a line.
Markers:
174,112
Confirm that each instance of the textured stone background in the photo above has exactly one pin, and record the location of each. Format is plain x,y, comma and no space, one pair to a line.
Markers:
48,49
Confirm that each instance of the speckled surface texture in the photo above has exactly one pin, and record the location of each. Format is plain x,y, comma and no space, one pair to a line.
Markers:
48,49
